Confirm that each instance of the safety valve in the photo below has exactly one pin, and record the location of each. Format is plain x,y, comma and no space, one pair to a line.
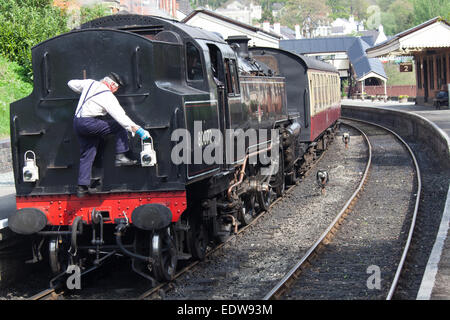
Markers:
148,154
30,170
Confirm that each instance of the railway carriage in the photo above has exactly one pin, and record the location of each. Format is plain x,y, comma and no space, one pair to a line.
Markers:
313,98
198,96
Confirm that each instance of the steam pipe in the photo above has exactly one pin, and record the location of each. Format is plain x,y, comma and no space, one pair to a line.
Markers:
242,171
120,228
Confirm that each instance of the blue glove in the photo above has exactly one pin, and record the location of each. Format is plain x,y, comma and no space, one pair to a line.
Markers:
144,134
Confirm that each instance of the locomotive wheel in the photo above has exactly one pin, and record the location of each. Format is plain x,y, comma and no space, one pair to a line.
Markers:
278,180
164,253
294,177
57,256
197,239
248,210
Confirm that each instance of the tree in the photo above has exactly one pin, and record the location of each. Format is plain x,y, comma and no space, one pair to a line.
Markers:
339,9
398,17
306,13
427,9
358,8
25,23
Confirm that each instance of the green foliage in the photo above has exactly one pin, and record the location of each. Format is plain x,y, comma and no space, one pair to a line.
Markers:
304,12
427,9
93,12
395,77
398,17
214,4
345,8
25,23
12,88
339,9
267,16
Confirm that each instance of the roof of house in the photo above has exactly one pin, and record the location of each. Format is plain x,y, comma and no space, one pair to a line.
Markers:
355,47
229,20
320,45
431,33
361,63
287,32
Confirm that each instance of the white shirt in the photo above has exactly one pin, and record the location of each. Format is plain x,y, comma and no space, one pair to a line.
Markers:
99,101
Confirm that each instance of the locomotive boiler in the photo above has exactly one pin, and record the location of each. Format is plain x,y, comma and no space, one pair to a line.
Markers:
229,127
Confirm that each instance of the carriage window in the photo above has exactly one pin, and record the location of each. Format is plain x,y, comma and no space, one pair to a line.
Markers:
194,63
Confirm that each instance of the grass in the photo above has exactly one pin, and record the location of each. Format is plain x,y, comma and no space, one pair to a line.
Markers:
12,88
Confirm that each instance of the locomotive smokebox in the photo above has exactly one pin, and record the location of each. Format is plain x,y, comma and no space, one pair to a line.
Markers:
27,221
242,41
151,217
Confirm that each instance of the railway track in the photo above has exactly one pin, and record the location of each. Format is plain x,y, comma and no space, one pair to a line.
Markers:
161,289
288,281
244,260
47,294
164,287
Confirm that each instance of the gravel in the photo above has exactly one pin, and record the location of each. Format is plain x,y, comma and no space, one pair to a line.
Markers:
371,238
253,262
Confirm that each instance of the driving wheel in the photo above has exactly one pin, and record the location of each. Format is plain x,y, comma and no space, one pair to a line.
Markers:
164,252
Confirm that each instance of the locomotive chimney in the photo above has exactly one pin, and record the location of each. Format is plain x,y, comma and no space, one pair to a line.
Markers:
242,48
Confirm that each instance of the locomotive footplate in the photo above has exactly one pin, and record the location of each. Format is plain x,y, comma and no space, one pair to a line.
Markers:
63,209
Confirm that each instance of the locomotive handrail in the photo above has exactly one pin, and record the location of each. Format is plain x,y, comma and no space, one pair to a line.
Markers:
119,96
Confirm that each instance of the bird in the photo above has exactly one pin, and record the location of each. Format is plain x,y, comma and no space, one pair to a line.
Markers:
346,138
322,177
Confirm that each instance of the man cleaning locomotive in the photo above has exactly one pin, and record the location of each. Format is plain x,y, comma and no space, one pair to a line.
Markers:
91,123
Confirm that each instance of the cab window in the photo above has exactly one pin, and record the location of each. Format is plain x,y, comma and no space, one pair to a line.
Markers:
194,67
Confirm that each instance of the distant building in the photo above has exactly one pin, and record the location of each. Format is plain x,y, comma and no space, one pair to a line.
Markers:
242,11
162,8
113,5
342,26
429,44
285,32
226,27
339,27
347,54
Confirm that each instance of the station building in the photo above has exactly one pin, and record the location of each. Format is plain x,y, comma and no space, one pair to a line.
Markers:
429,44
348,55
228,27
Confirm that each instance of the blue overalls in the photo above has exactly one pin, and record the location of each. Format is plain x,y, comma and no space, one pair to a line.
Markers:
89,131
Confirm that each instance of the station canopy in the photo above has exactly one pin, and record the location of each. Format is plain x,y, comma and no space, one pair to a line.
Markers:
434,33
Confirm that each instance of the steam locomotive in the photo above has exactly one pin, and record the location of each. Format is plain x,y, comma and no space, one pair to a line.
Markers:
229,125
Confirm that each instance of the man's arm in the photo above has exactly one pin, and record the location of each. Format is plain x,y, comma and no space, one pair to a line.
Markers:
78,85
115,110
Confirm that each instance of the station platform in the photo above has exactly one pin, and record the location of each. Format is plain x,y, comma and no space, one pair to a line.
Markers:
436,280
7,197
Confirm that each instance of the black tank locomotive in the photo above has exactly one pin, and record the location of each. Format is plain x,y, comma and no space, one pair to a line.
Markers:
192,91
